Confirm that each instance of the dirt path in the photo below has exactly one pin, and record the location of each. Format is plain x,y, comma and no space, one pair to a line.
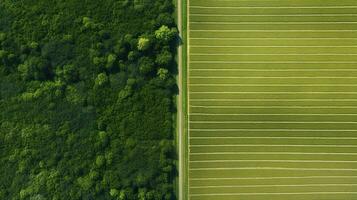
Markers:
180,116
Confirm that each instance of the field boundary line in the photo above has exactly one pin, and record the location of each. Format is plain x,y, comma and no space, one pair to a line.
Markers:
273,122
273,168
267,130
288,161
288,100
303,137
271,7
275,153
269,38
262,23
274,114
274,145
270,178
265,54
294,31
271,62
337,107
263,186
270,85
272,15
273,70
277,77
268,193
275,93
275,46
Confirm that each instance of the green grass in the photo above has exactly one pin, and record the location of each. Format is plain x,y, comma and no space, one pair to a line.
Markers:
273,100
184,99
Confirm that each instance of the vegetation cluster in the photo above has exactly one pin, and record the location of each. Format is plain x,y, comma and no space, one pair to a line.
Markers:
86,99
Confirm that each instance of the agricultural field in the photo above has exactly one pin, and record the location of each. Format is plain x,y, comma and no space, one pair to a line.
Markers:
272,99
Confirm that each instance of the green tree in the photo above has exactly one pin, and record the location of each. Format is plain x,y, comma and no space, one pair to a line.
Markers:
163,73
146,65
88,23
93,175
100,161
142,194
165,34
34,45
143,43
73,96
109,158
132,55
165,19
102,79
110,61
114,192
164,58
85,183
34,68
99,61
125,93
67,73
3,54
103,138
2,36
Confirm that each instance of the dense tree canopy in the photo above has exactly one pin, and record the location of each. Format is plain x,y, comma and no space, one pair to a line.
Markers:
86,99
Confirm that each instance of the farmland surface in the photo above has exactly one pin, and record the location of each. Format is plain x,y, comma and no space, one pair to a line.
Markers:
272,99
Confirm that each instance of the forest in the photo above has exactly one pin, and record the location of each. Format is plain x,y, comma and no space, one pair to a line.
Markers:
87,99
